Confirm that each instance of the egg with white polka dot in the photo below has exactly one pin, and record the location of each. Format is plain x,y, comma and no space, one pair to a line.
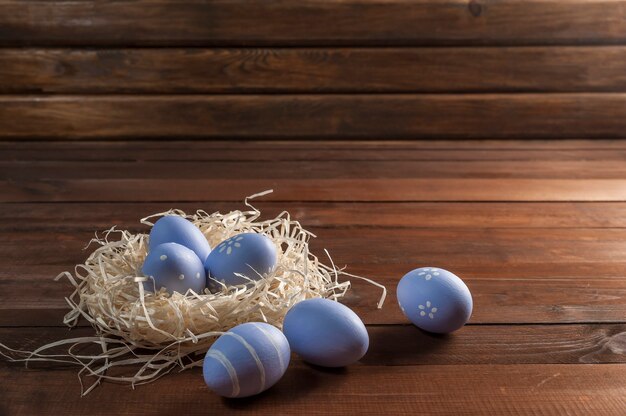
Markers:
175,268
239,260
246,360
435,299
175,229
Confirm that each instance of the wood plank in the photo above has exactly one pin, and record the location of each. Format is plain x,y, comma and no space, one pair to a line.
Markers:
503,247
319,169
309,116
535,299
406,345
554,389
311,22
495,247
515,275
337,70
92,217
349,190
145,150
527,300
179,151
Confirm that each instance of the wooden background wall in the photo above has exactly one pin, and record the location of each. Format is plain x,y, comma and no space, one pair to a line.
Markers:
83,69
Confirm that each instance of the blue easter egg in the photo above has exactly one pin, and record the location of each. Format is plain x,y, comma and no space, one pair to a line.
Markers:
174,267
435,300
248,359
175,229
248,254
326,333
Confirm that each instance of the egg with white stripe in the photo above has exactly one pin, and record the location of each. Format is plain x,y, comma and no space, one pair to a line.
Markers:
175,268
248,254
435,299
175,229
247,360
325,332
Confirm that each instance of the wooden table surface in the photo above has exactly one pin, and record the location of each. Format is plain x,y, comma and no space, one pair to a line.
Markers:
537,229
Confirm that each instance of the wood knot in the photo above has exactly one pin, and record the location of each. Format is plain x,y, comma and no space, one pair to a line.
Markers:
475,8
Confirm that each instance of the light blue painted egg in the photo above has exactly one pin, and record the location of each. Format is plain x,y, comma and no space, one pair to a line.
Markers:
248,254
326,333
435,300
174,267
248,359
175,229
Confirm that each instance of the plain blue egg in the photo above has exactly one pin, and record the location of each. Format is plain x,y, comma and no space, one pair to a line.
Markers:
248,254
174,267
248,359
434,299
326,333
175,229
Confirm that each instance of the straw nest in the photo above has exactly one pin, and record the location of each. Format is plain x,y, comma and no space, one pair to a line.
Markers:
143,335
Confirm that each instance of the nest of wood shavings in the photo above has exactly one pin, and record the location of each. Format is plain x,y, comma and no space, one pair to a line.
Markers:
141,336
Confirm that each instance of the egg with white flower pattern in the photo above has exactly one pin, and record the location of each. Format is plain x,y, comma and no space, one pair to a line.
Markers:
174,267
434,299
248,254
246,360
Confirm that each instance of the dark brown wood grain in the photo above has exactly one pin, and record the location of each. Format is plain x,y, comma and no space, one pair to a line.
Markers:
550,389
536,275
479,136
406,345
529,149
498,299
547,276
309,116
317,169
484,248
280,70
90,217
44,239
363,190
311,22
310,151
